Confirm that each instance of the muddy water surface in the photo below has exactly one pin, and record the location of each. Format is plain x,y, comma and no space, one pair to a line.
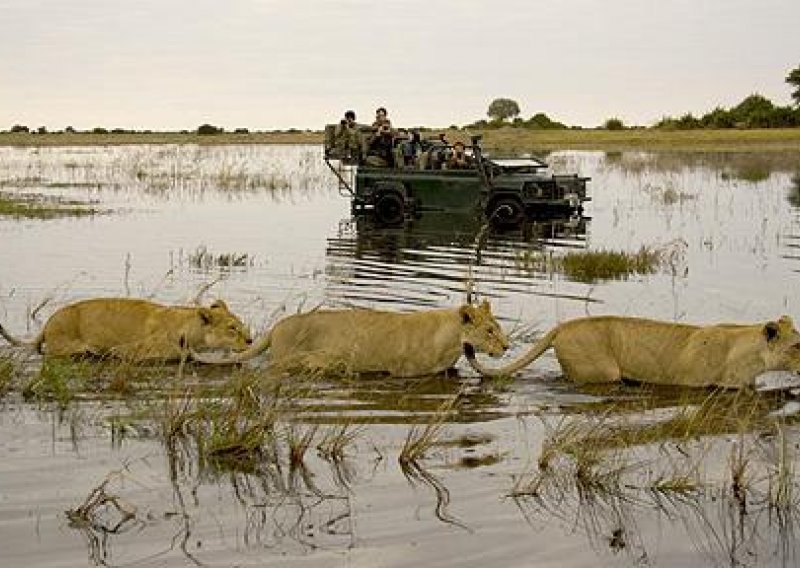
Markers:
516,473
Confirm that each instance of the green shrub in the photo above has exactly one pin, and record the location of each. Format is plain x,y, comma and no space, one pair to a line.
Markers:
208,129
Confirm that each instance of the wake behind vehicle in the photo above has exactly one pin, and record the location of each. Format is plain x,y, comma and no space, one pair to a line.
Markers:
504,191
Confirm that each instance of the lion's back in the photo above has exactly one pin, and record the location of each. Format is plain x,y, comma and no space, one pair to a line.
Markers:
103,322
330,331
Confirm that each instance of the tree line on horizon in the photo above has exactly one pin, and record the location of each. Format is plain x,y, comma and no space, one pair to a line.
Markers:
754,111
203,129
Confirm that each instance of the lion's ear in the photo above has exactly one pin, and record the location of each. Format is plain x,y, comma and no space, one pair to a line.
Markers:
466,314
486,307
219,305
771,331
205,315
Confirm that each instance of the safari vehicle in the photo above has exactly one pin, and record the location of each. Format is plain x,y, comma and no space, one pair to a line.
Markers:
505,191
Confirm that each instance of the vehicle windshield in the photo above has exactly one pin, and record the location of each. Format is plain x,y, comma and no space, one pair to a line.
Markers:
518,163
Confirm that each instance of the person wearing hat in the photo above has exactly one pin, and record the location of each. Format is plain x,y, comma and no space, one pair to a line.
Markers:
459,160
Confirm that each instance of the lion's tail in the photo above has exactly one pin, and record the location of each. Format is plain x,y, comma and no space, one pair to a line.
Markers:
510,368
254,350
35,344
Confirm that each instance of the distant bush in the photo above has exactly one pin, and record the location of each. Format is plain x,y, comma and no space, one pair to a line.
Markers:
99,130
614,124
209,129
478,124
69,130
718,118
543,122
754,111
241,131
20,128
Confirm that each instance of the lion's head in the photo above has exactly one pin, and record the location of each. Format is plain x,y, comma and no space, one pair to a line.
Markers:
481,331
784,343
221,329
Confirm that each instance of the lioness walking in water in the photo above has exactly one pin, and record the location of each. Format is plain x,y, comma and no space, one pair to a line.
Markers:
136,330
375,341
609,349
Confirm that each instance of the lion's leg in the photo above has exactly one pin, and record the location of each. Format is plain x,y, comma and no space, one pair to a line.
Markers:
151,348
591,369
184,356
68,348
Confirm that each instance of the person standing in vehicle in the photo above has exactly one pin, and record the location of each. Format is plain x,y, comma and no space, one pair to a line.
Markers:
382,121
380,151
347,137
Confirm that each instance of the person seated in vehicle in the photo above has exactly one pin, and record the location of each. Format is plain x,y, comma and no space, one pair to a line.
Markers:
380,152
400,139
412,149
436,154
459,160
347,140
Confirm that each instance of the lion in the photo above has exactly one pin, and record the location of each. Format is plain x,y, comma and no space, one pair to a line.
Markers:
611,349
373,341
136,330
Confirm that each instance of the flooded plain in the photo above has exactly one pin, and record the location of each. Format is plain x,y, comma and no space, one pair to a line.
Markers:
104,464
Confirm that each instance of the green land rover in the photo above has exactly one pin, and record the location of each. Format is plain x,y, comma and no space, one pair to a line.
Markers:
504,191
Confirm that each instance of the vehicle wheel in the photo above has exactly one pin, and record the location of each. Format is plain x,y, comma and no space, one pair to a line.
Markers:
505,211
389,208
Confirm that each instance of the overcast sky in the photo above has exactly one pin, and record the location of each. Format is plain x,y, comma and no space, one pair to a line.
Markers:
265,64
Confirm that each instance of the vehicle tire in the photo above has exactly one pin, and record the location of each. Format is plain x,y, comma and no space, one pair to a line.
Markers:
505,211
389,208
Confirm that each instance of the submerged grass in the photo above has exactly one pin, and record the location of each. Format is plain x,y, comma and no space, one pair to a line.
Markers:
421,438
592,266
605,265
720,412
594,449
34,207
10,370
59,380
203,259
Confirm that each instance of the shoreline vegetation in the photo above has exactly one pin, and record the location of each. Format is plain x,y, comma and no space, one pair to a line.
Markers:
508,139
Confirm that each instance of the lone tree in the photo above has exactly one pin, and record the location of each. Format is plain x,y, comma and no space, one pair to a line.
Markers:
503,109
793,78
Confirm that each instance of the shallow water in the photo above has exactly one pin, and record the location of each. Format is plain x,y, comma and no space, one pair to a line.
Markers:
269,223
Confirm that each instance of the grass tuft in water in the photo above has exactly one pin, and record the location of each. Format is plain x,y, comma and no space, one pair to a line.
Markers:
10,369
593,266
335,441
59,380
34,207
202,259
782,494
420,440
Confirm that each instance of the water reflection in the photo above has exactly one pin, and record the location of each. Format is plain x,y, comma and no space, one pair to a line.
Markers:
750,167
431,258
793,196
